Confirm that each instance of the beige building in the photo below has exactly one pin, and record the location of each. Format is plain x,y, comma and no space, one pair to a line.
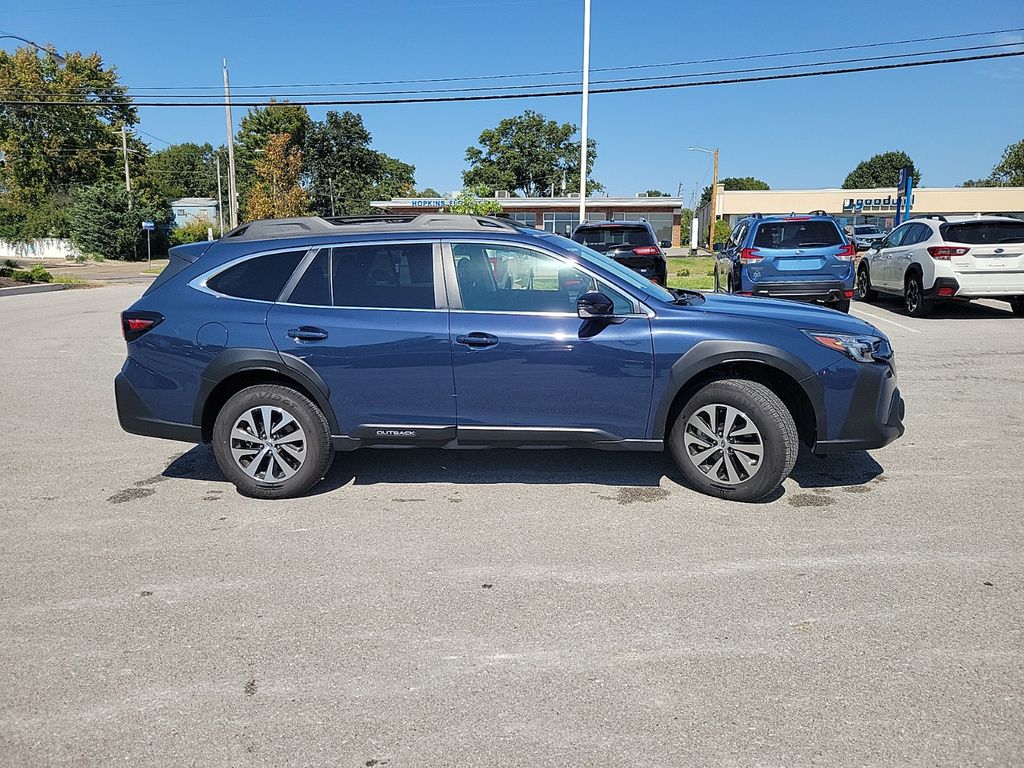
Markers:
868,206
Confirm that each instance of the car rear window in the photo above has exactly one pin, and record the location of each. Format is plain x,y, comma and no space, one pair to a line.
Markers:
797,234
261,278
984,232
613,235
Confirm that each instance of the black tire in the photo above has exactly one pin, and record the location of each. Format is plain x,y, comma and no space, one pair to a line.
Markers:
318,451
864,290
1017,307
843,305
914,300
759,406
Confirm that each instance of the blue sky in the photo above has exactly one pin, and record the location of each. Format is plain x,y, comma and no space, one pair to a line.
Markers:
953,120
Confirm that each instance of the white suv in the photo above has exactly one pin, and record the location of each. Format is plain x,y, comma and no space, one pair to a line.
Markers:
935,257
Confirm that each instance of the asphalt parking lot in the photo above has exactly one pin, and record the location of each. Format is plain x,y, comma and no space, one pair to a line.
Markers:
509,608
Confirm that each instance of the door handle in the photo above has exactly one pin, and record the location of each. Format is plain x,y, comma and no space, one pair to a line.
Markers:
477,339
307,333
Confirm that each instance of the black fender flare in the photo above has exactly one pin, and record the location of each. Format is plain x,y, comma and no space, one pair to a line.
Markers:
711,352
229,362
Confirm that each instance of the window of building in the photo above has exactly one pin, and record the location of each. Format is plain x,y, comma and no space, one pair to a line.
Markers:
261,278
387,276
511,279
523,219
561,222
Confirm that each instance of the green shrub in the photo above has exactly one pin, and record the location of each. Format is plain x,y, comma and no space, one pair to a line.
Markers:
194,231
37,274
97,257
6,271
683,272
10,263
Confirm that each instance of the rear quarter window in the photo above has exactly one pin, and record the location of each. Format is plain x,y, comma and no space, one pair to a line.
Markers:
261,278
984,232
797,234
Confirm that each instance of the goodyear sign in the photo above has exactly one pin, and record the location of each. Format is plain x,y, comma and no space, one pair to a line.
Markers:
869,203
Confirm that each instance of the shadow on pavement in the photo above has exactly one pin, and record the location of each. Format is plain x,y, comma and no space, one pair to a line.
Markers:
534,467
943,310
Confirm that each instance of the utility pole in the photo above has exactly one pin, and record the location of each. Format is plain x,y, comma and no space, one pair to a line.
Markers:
714,204
127,173
220,200
586,104
232,189
330,181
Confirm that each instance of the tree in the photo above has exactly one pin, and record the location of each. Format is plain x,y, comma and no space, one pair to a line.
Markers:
529,154
428,192
254,132
344,173
47,152
276,192
685,223
181,170
882,170
101,221
745,183
657,193
472,201
1008,172
722,230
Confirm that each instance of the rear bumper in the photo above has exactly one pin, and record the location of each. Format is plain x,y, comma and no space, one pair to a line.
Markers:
136,418
874,416
981,284
802,290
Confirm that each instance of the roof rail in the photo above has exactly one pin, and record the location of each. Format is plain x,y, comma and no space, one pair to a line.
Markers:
303,226
935,216
756,216
817,212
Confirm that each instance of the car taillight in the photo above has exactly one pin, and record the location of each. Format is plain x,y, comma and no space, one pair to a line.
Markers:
749,255
847,252
945,252
134,323
646,250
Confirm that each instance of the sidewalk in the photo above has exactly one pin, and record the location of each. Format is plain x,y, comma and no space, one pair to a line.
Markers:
103,271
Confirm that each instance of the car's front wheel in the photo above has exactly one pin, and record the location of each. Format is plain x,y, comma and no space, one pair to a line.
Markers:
735,439
272,442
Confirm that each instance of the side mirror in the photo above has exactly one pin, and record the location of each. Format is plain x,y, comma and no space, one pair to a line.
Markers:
719,247
594,305
665,244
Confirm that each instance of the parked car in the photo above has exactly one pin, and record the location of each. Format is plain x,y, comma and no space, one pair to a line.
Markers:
864,235
288,340
632,243
941,258
807,258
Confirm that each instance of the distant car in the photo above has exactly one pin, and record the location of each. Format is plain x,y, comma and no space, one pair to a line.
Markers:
935,257
806,258
864,235
631,243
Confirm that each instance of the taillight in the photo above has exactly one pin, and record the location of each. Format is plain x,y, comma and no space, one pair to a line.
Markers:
749,255
646,250
847,294
135,323
847,252
945,252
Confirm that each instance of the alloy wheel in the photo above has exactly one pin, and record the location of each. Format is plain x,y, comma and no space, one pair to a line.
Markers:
912,295
863,284
724,444
268,444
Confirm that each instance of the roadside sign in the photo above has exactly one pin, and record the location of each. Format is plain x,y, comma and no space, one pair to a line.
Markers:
148,225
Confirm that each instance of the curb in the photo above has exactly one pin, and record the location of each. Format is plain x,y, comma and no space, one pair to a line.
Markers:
38,288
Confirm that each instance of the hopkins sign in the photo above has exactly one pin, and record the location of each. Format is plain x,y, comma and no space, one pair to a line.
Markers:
427,203
869,203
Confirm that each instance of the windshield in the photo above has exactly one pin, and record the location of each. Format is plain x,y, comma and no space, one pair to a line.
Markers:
983,232
609,264
867,230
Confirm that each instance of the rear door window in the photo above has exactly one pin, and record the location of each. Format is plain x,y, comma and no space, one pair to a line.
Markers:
797,234
984,232
261,278
385,276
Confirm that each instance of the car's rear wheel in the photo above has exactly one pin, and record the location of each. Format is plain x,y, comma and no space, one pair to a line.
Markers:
735,439
272,442
864,290
917,304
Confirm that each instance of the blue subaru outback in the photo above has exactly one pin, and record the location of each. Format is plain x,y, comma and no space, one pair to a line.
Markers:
288,340
806,258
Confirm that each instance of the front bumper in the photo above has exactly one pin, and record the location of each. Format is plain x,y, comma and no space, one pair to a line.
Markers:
136,418
802,290
869,404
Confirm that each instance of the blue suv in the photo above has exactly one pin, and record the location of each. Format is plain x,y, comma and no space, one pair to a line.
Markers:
807,258
288,340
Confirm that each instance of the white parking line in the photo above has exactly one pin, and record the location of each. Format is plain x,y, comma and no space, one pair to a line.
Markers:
887,320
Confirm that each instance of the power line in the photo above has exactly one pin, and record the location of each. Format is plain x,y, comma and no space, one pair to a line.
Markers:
593,69
777,68
542,94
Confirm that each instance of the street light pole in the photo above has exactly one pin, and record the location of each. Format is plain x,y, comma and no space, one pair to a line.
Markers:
127,174
220,200
714,194
232,189
586,104
52,54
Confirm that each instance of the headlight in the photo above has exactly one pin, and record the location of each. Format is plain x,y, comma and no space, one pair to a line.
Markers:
863,349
